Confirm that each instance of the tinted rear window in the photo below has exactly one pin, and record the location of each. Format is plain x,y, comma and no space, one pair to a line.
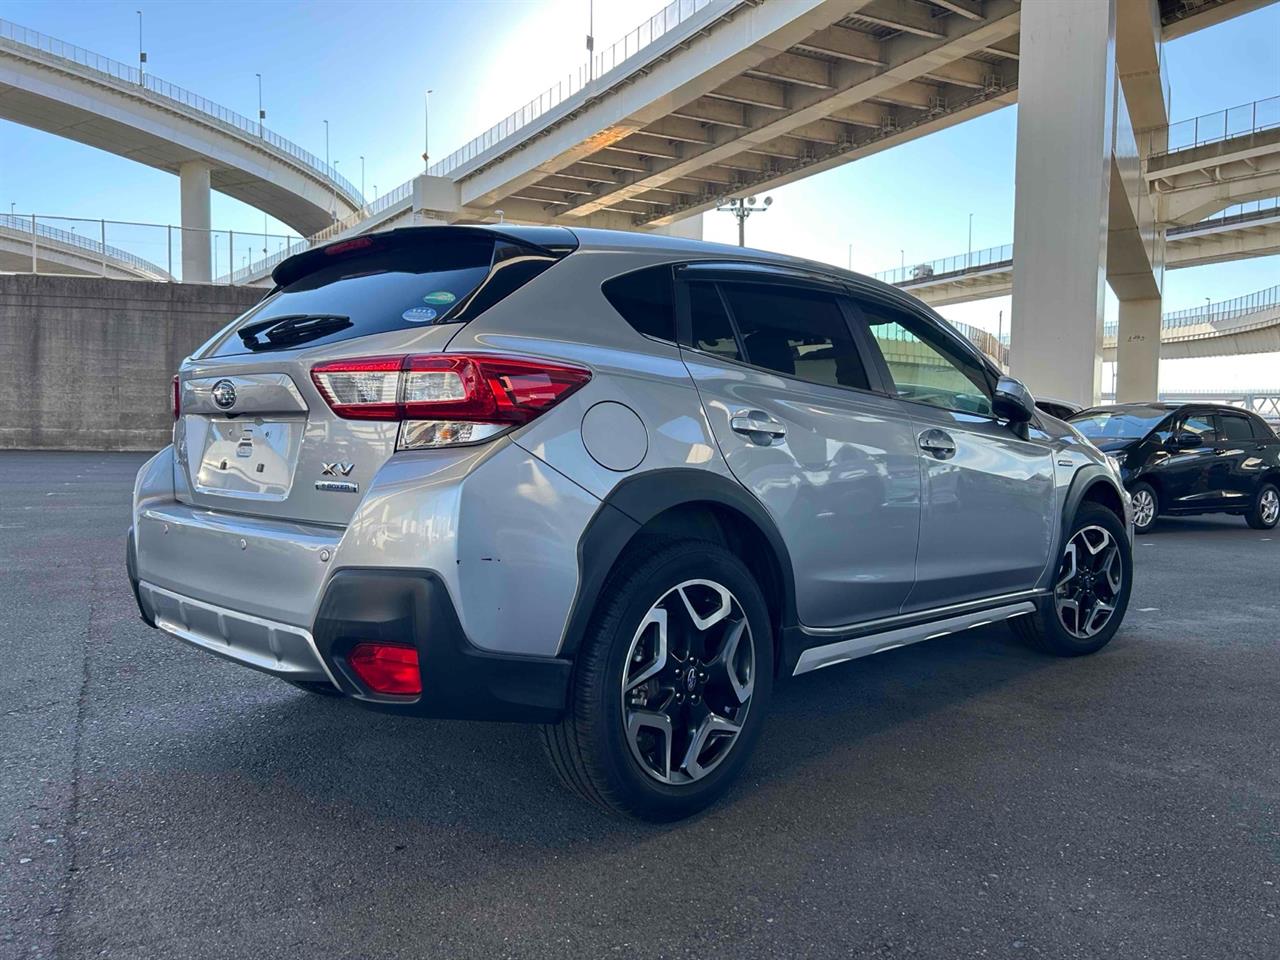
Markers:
365,293
646,301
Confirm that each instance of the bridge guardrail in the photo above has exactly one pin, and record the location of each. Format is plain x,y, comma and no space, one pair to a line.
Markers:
991,256
17,36
1222,125
152,249
614,55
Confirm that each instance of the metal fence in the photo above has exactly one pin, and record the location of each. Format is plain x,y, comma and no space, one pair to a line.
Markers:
24,41
1223,125
35,243
974,260
613,56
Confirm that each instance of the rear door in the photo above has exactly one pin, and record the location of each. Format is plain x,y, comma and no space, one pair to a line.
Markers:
1239,459
805,426
256,436
989,518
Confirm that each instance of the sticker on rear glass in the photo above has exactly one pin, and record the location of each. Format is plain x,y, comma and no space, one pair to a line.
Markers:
439,298
419,314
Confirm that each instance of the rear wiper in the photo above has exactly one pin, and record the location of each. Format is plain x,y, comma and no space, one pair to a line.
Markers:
292,329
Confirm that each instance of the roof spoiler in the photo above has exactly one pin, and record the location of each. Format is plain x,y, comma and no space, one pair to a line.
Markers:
552,241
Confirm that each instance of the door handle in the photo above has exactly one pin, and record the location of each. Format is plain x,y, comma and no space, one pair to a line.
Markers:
1221,453
758,426
938,443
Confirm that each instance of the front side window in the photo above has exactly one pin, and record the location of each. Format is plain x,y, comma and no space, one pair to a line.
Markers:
926,369
1201,425
796,332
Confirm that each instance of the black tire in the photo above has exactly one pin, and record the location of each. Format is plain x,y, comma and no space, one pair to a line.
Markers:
590,749
1045,629
1144,490
1262,515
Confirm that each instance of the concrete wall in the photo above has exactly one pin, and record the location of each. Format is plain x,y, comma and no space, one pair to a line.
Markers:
86,363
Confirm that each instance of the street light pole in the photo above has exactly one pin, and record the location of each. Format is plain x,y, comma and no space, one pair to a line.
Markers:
968,257
142,57
743,208
426,132
591,40
262,114
362,178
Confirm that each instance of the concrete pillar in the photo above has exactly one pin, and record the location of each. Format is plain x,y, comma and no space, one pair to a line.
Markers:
1138,350
690,228
193,177
1066,130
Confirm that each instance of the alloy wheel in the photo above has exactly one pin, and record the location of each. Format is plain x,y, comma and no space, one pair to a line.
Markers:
687,682
1144,509
1090,579
1269,507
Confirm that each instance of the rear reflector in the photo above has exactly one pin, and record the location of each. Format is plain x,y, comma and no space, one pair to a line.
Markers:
460,388
387,668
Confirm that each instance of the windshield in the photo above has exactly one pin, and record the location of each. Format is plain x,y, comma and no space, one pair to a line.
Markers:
1117,424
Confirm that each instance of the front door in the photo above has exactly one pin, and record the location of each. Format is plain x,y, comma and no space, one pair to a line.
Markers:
796,415
1186,475
989,519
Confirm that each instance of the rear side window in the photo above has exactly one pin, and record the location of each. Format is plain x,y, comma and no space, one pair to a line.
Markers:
646,300
1233,427
388,286
1261,430
712,332
796,332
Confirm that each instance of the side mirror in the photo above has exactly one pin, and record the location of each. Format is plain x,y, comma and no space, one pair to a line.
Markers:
1012,401
1186,441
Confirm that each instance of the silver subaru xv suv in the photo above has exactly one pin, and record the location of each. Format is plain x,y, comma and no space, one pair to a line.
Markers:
615,484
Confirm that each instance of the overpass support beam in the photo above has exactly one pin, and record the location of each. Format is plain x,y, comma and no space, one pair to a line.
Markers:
1066,131
193,179
1138,351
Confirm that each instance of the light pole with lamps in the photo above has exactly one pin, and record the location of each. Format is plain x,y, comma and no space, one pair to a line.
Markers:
362,200
743,208
968,257
142,57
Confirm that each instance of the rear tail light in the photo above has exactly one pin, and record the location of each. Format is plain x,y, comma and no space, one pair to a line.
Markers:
387,668
444,399
177,397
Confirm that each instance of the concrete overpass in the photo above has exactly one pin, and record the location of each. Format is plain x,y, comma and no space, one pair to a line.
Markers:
1238,233
1248,324
52,250
78,94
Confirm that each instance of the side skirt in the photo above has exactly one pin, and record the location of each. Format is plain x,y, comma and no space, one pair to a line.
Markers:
829,654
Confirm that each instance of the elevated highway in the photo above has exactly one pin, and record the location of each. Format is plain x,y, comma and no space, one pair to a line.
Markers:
75,93
52,250
1237,234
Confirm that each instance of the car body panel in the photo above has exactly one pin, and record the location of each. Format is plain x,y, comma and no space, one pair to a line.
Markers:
497,530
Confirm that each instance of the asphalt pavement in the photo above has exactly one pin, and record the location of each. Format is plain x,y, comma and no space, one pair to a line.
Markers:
961,798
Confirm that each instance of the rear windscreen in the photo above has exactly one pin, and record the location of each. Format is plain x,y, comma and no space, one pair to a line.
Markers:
366,293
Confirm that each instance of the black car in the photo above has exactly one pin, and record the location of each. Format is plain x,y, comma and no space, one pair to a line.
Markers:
1190,458
1062,409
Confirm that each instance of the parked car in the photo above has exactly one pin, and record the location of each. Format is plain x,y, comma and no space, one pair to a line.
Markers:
612,483
1062,409
1190,458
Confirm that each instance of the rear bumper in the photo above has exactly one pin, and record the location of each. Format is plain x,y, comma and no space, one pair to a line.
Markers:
410,607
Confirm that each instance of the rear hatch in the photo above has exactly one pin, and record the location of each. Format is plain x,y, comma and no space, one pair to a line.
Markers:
254,434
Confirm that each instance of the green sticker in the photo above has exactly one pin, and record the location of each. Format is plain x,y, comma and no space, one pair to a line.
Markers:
439,297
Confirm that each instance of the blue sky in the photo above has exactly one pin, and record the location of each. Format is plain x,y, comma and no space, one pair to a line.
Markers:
364,67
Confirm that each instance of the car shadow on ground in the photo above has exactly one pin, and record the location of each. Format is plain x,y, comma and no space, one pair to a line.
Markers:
463,775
